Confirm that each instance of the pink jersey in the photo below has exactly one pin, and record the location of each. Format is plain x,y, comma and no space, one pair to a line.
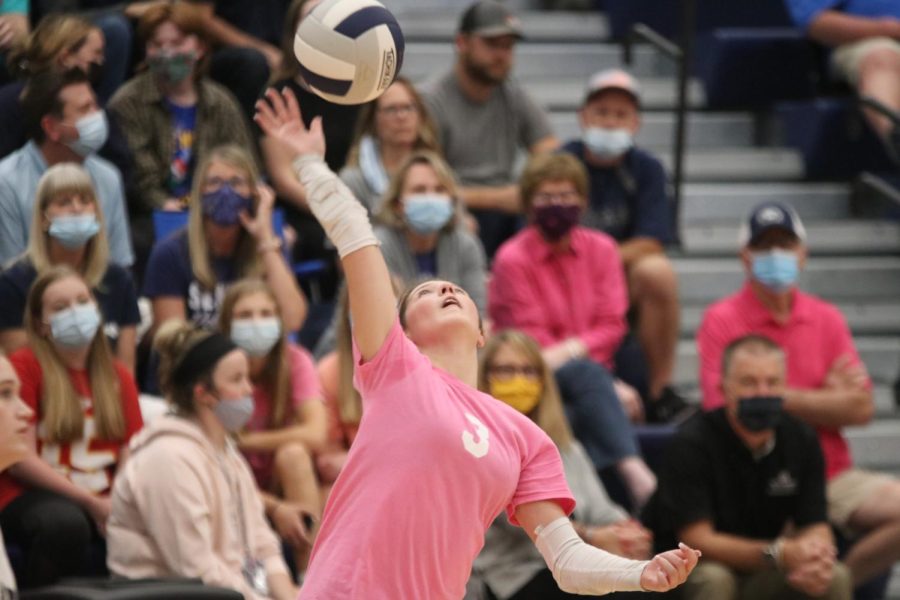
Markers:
434,462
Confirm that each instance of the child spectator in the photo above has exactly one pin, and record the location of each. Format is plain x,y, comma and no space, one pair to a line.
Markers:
68,228
185,504
55,501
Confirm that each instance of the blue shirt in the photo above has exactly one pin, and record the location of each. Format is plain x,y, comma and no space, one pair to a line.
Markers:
803,12
181,165
426,263
19,176
18,7
628,200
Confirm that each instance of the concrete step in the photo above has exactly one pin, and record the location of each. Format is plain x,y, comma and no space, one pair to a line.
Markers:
563,92
703,280
739,164
658,129
724,203
825,238
881,356
878,318
440,25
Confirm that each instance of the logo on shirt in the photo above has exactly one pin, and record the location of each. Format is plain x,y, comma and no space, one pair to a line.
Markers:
476,445
782,485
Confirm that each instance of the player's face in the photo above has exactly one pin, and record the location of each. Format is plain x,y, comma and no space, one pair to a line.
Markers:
488,60
15,417
436,307
611,109
397,117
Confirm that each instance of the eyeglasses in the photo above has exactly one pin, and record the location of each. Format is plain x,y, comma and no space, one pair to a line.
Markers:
559,197
214,183
510,371
399,110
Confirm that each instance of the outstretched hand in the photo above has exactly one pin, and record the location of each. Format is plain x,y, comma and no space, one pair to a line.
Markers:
669,569
278,115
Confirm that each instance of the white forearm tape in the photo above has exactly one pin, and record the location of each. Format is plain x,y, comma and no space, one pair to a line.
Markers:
580,568
341,215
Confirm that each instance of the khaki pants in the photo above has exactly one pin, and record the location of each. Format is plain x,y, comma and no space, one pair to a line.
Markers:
714,581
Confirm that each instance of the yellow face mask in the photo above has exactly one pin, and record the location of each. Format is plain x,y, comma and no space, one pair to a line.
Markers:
520,392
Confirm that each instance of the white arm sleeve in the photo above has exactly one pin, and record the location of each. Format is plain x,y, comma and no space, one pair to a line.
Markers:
341,215
580,568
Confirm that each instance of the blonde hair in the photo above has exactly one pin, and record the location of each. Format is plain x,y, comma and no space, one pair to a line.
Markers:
276,376
67,179
245,255
549,413
426,136
542,168
63,416
389,214
172,342
55,35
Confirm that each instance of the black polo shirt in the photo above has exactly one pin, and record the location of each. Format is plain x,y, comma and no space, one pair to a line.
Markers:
709,474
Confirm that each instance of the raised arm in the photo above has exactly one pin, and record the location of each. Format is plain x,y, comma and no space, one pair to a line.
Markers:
372,303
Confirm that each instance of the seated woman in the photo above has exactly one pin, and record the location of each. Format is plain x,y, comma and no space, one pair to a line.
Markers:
185,504
229,235
512,369
564,285
172,114
389,130
55,501
289,422
67,228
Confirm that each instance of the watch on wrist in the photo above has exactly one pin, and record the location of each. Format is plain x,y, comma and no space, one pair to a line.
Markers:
772,553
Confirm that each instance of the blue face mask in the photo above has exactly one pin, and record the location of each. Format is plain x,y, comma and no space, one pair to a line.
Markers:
427,213
234,414
256,336
607,143
93,130
224,206
73,231
775,269
75,327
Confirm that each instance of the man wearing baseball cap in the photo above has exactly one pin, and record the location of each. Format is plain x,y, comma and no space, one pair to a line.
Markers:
628,201
484,119
827,384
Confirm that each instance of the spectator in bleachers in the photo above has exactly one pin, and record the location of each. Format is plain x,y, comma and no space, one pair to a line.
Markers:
512,370
422,233
564,285
68,228
229,236
15,417
827,384
389,130
628,201
55,502
864,35
745,484
185,503
485,119
14,26
172,114
64,124
289,421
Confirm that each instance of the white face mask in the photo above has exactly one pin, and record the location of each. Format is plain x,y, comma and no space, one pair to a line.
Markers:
93,129
75,327
256,336
607,143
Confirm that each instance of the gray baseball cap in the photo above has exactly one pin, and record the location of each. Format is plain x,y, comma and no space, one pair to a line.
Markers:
490,19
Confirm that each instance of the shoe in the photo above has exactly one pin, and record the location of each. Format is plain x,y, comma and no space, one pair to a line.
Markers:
669,407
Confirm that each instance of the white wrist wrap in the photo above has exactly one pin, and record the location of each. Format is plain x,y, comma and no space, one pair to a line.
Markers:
341,215
580,568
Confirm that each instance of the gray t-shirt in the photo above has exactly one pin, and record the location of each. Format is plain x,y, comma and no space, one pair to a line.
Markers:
481,140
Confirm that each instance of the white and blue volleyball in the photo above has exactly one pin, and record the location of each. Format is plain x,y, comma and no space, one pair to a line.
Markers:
349,51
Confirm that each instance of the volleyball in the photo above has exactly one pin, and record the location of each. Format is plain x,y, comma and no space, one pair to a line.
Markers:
349,51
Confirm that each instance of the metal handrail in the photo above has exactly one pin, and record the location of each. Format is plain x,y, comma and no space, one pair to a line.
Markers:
682,55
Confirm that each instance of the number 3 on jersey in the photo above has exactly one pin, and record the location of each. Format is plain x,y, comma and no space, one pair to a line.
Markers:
476,445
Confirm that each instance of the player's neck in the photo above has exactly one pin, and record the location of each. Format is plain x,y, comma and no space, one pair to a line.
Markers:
459,358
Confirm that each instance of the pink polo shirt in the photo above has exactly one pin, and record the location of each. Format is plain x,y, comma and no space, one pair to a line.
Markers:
813,338
579,293
434,462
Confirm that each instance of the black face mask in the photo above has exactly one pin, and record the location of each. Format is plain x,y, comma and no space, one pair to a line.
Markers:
758,413
95,73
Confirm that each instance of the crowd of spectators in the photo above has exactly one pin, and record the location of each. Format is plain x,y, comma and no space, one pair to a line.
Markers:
112,116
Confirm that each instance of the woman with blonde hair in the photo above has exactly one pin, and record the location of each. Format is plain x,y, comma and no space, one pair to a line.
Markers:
288,424
512,369
229,236
55,501
67,228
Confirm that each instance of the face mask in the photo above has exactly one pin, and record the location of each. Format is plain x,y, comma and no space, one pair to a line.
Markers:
73,231
776,269
95,73
93,130
75,327
520,392
556,220
427,213
234,414
758,413
173,68
256,336
607,143
224,206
